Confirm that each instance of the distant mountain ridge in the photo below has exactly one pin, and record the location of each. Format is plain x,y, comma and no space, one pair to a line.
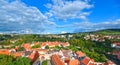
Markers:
107,31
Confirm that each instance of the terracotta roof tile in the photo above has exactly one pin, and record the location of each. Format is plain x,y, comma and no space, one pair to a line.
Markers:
5,51
80,54
56,60
74,62
17,54
33,56
86,60
91,64
26,46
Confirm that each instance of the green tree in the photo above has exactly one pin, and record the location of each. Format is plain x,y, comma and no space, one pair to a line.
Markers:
47,47
22,61
36,46
44,62
20,48
5,59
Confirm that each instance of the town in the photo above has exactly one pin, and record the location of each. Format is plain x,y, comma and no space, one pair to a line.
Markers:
57,57
63,52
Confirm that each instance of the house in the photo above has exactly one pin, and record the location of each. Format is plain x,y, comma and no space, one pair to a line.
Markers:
66,55
65,44
35,43
50,44
33,56
80,54
41,51
74,62
55,60
26,46
116,45
117,52
87,61
53,44
5,51
12,50
109,62
83,59
17,54
42,56
98,63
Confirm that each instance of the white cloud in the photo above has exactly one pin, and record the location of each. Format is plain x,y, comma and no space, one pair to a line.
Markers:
65,9
63,32
87,26
18,17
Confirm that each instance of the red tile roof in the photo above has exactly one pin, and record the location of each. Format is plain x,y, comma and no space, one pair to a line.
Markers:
52,44
26,46
17,54
36,43
65,44
41,50
80,54
56,60
87,61
4,51
74,62
33,56
91,64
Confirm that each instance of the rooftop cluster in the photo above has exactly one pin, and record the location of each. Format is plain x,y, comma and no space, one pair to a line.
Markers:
56,57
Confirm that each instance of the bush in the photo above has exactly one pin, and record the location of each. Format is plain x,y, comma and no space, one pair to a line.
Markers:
44,62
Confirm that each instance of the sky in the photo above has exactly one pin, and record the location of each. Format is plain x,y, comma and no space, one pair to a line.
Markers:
58,16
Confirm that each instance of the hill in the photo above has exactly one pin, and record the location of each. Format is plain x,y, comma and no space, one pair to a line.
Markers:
107,31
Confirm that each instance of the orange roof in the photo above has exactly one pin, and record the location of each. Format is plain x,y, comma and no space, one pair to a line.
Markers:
86,60
41,50
51,44
5,51
65,44
33,56
91,64
26,46
43,44
92,60
36,43
80,54
17,54
74,62
56,60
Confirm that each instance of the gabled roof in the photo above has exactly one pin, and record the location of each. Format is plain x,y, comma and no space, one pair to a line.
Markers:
74,62
4,51
17,54
80,54
41,50
91,64
86,60
65,44
33,56
55,44
56,60
26,46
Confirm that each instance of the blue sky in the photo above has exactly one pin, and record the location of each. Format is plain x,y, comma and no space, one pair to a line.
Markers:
58,16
